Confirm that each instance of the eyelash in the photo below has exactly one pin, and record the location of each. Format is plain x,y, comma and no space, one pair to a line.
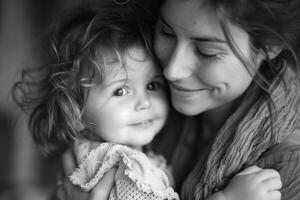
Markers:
197,51
157,86
116,92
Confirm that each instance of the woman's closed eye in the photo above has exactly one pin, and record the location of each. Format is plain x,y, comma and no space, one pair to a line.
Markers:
204,53
122,91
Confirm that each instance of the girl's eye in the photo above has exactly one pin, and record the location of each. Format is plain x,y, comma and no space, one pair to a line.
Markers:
201,53
154,86
120,92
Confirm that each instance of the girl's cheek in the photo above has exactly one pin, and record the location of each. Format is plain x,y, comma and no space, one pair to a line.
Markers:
125,112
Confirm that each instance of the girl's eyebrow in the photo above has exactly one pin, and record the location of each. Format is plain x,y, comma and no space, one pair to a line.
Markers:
198,39
122,80
155,77
158,76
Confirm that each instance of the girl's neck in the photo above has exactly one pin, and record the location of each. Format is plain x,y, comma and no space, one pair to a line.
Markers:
136,147
99,139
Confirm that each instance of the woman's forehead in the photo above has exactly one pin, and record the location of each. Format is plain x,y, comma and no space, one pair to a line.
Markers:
192,17
193,20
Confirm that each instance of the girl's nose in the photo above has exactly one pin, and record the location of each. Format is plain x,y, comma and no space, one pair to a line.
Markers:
143,102
179,65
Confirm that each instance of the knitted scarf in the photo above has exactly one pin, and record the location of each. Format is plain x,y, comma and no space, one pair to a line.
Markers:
240,145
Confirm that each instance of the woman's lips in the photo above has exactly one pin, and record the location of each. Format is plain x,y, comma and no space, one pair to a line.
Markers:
184,89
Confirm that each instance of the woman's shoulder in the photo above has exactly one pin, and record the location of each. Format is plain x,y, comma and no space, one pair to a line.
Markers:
285,158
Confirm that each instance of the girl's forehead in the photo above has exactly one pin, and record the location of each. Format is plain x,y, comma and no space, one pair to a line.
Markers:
137,53
115,55
132,58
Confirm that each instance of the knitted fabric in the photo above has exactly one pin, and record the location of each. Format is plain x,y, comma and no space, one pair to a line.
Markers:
238,145
126,189
137,176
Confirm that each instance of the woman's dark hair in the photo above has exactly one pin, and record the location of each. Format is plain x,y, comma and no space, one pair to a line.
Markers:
54,92
273,25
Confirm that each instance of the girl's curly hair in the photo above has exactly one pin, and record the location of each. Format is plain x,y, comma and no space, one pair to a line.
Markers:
54,93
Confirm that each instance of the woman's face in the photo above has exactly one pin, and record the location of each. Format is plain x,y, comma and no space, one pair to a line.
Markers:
201,68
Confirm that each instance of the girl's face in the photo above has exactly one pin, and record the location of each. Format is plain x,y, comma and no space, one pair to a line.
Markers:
130,106
201,68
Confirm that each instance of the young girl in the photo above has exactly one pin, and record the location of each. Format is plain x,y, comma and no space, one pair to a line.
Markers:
103,96
103,86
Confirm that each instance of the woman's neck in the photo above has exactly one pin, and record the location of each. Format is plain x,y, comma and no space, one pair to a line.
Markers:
214,119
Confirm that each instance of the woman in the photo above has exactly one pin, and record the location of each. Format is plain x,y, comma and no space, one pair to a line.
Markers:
232,68
232,65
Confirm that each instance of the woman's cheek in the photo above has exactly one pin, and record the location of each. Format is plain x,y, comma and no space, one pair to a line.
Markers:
213,72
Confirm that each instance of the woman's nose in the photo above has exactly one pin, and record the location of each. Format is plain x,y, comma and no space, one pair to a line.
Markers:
143,102
179,65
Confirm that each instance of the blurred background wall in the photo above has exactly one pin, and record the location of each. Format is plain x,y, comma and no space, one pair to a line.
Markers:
24,173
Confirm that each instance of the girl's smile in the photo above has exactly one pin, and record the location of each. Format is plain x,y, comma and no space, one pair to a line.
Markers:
144,124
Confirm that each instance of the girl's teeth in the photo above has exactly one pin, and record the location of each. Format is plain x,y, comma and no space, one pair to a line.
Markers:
144,123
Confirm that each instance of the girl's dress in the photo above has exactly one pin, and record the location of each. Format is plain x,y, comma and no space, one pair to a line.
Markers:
138,176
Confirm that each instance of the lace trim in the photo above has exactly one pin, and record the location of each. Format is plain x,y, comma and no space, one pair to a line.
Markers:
111,155
110,160
168,192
